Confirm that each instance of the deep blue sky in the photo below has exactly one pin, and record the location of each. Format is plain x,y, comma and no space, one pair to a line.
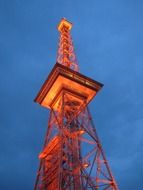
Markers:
108,39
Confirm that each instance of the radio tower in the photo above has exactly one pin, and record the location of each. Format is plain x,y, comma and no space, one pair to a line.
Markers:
72,157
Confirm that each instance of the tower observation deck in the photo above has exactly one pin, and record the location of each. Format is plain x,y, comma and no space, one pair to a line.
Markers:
72,157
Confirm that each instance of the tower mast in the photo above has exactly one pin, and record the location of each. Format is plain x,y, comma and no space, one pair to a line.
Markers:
72,157
66,55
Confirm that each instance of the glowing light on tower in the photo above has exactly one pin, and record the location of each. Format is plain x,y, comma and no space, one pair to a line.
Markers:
72,157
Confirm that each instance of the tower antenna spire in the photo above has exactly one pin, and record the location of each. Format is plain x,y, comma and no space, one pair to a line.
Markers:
66,55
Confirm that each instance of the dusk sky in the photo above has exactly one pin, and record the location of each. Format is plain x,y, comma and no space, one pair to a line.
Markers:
108,40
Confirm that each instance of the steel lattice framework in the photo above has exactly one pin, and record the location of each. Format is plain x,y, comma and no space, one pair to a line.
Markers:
72,157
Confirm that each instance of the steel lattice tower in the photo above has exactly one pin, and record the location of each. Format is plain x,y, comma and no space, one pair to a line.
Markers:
72,157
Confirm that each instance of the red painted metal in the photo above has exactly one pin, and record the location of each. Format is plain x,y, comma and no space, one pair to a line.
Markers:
72,157
66,55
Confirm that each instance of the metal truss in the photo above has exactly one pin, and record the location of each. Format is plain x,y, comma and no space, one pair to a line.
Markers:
72,157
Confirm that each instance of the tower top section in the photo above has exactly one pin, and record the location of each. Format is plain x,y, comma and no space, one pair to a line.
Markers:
65,77
64,24
66,55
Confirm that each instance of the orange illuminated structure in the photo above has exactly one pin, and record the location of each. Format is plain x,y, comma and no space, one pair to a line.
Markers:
76,86
72,157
